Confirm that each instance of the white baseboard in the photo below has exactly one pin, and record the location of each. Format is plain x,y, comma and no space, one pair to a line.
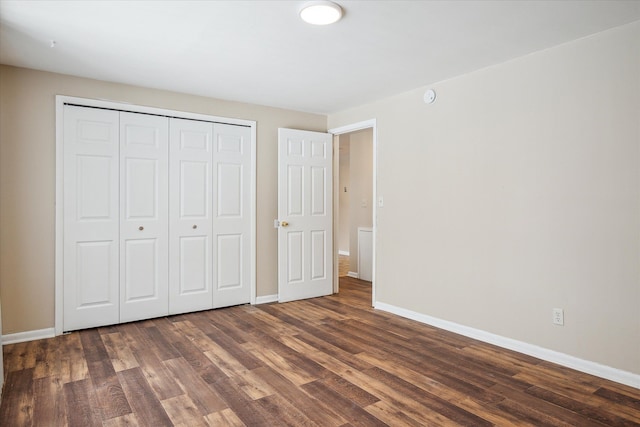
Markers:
28,336
353,274
343,253
572,362
267,299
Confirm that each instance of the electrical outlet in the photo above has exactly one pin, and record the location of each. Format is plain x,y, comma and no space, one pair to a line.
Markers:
558,316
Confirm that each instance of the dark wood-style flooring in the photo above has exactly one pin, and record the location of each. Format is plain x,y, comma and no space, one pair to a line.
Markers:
331,361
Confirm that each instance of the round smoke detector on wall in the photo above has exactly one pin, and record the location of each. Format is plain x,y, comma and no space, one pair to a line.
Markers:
429,96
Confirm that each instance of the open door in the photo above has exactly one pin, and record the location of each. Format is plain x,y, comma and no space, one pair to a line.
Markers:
305,214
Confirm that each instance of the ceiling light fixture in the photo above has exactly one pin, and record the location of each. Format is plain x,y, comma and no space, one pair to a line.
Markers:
320,12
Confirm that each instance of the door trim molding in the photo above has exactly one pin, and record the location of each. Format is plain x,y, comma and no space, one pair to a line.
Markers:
60,101
366,124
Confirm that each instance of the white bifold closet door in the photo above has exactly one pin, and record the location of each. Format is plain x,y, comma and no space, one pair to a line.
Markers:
231,215
209,215
157,216
190,213
91,218
144,216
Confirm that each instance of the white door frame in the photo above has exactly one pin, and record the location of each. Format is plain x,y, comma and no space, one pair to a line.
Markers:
366,124
61,100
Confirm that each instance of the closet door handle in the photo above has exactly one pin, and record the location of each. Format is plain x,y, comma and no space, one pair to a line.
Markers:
141,228
194,226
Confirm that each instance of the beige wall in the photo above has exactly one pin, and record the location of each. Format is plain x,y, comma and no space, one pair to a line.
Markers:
344,207
27,180
518,191
361,179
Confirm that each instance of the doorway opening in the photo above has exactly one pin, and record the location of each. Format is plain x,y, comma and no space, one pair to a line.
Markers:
355,202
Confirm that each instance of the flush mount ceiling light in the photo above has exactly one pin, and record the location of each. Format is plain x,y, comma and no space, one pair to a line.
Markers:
320,12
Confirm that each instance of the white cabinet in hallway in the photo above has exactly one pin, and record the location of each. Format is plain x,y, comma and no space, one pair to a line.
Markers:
157,216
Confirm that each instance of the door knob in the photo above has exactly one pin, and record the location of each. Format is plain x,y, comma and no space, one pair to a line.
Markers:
284,223
141,228
195,226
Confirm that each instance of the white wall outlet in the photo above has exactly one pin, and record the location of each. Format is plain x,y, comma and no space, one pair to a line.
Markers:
558,316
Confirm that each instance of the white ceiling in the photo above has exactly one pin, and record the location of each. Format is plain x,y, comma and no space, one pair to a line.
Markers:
261,52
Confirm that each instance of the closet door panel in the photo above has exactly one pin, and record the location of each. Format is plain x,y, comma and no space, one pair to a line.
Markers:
190,268
91,218
144,218
232,220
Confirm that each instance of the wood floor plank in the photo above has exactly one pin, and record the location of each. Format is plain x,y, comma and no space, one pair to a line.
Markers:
183,411
98,361
165,349
129,420
244,408
144,402
195,387
17,398
120,354
23,356
313,408
429,400
284,411
289,354
233,326
315,343
48,401
112,399
354,414
346,389
44,352
74,365
541,412
252,385
439,370
336,340
226,417
621,398
207,370
421,378
83,409
330,361
620,403
393,416
267,323
196,336
234,348
279,363
152,367
481,372
490,413
580,407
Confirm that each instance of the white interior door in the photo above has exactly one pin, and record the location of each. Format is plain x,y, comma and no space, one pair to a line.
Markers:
91,217
144,216
231,215
190,215
305,212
